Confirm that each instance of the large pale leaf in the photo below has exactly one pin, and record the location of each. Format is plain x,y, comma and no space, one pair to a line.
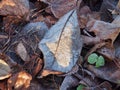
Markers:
4,70
62,44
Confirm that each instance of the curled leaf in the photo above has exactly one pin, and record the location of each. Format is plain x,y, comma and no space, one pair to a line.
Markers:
4,70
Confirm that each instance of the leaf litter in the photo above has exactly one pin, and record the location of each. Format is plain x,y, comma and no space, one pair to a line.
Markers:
47,44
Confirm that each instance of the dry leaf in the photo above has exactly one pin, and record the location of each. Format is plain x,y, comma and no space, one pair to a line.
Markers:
108,72
68,82
20,81
4,70
3,85
22,52
60,7
46,72
14,7
107,52
105,31
62,44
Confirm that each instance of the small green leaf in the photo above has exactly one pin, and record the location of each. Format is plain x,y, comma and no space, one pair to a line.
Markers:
81,87
100,61
92,58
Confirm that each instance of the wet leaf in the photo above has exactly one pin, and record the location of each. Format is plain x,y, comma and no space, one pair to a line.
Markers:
4,70
92,58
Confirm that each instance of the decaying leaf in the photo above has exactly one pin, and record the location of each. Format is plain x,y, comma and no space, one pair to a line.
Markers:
3,85
117,53
33,33
108,72
20,81
60,7
47,72
22,52
4,70
69,82
34,85
105,31
107,52
14,7
62,44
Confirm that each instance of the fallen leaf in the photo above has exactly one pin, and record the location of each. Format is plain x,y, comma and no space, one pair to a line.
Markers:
104,9
14,7
60,7
5,71
35,85
3,85
46,72
108,72
105,31
62,44
22,52
107,52
38,64
20,81
68,82
117,53
33,33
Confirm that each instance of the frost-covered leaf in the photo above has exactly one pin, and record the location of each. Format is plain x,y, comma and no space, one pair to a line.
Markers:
4,70
62,44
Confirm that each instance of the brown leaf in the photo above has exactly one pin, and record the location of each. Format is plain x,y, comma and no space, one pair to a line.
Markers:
108,72
69,82
105,31
90,40
3,85
14,7
4,70
20,81
85,15
34,85
38,66
48,72
107,52
60,7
